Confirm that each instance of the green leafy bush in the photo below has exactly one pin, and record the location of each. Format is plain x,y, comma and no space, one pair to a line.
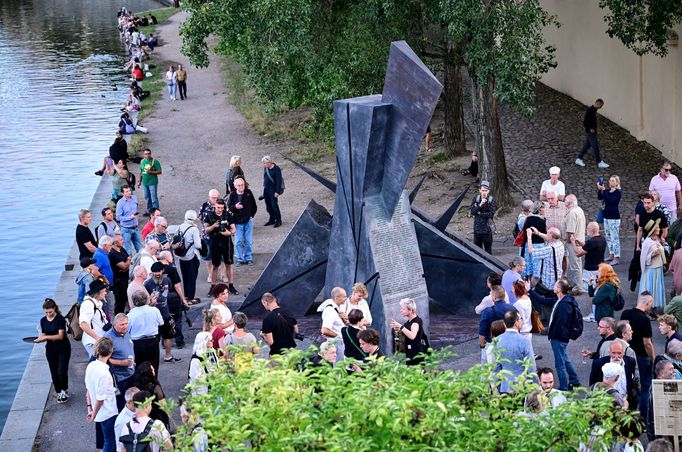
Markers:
389,406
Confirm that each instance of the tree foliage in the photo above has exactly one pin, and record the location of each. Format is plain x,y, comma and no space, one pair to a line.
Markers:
389,406
642,25
301,52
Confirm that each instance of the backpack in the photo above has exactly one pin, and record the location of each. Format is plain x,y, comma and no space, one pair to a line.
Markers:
73,327
181,250
138,442
134,262
619,302
575,328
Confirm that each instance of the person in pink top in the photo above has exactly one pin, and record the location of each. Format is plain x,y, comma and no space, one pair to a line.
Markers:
669,188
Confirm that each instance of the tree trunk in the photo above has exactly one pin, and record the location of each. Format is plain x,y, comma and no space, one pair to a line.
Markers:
453,127
491,162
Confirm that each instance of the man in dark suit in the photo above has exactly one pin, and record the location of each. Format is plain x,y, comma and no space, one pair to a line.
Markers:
628,383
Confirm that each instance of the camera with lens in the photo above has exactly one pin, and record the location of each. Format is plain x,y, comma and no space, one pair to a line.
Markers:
223,225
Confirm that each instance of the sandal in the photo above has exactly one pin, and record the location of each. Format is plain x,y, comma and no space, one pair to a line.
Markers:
194,301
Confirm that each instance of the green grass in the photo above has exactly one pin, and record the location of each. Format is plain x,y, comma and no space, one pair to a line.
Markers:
162,14
437,158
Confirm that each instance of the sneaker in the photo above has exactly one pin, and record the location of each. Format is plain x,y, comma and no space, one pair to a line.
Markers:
60,397
238,264
603,165
65,396
579,162
232,290
589,318
249,262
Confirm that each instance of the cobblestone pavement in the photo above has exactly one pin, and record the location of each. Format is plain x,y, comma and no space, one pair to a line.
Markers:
554,136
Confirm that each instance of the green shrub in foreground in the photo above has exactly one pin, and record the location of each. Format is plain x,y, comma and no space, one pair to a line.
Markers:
390,406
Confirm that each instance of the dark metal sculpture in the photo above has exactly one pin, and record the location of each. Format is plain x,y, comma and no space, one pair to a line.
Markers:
376,236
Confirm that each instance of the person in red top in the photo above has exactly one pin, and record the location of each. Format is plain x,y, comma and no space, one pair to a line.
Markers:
154,213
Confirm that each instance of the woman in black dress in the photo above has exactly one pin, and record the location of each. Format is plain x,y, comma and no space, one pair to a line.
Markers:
57,348
413,330
350,335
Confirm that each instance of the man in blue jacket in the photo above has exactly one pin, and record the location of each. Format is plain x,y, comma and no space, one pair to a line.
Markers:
273,187
559,334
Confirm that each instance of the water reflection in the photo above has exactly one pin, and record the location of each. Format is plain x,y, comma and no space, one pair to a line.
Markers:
61,60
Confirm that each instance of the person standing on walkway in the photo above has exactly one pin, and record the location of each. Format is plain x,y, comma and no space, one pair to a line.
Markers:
242,204
120,263
553,184
122,361
611,199
150,170
181,77
233,172
483,210
273,187
126,214
649,218
87,245
189,262
100,395
91,317
591,139
278,326
651,261
574,229
57,348
669,188
172,82
514,351
643,345
559,335
221,229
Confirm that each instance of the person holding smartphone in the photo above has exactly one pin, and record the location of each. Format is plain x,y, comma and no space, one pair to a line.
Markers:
483,210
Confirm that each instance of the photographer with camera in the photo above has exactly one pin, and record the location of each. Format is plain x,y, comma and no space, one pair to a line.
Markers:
219,227
279,329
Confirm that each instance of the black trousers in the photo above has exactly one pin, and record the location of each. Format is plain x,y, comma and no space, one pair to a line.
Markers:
147,350
120,296
58,360
175,308
484,241
182,87
272,207
190,272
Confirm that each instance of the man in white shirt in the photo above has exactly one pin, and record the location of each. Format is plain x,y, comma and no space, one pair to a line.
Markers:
100,396
91,317
148,254
553,184
125,415
333,319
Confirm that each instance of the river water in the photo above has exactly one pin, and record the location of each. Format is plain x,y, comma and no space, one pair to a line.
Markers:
60,60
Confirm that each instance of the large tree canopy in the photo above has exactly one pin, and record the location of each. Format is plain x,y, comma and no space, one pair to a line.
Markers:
642,25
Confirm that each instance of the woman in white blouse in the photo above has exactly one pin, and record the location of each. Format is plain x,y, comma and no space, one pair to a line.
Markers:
357,301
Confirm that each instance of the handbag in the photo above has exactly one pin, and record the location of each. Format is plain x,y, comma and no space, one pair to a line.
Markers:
520,239
537,327
600,215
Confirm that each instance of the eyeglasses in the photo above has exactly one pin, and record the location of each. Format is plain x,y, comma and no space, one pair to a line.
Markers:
666,170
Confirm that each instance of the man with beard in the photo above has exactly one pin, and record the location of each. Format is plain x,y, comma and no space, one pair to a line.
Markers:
160,284
120,264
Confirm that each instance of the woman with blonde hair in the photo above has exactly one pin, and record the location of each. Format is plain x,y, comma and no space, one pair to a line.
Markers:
611,199
212,319
604,290
357,300
234,171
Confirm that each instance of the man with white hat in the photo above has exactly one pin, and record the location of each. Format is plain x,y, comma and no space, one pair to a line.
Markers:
553,184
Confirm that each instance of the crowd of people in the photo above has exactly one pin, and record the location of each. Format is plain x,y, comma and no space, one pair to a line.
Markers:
560,256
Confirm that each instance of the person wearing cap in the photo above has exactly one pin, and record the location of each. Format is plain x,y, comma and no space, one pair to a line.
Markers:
88,274
483,210
158,286
92,318
273,187
553,184
627,383
189,263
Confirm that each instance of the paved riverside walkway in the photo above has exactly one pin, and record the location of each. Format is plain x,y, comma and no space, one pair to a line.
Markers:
194,139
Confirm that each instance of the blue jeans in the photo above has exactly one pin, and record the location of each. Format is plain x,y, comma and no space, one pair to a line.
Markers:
591,141
645,376
107,431
244,241
131,238
171,90
563,365
150,195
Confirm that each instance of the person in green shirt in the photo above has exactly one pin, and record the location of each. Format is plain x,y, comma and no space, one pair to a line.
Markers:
150,169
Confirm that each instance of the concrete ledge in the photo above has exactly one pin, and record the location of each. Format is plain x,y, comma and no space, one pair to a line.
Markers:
26,413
